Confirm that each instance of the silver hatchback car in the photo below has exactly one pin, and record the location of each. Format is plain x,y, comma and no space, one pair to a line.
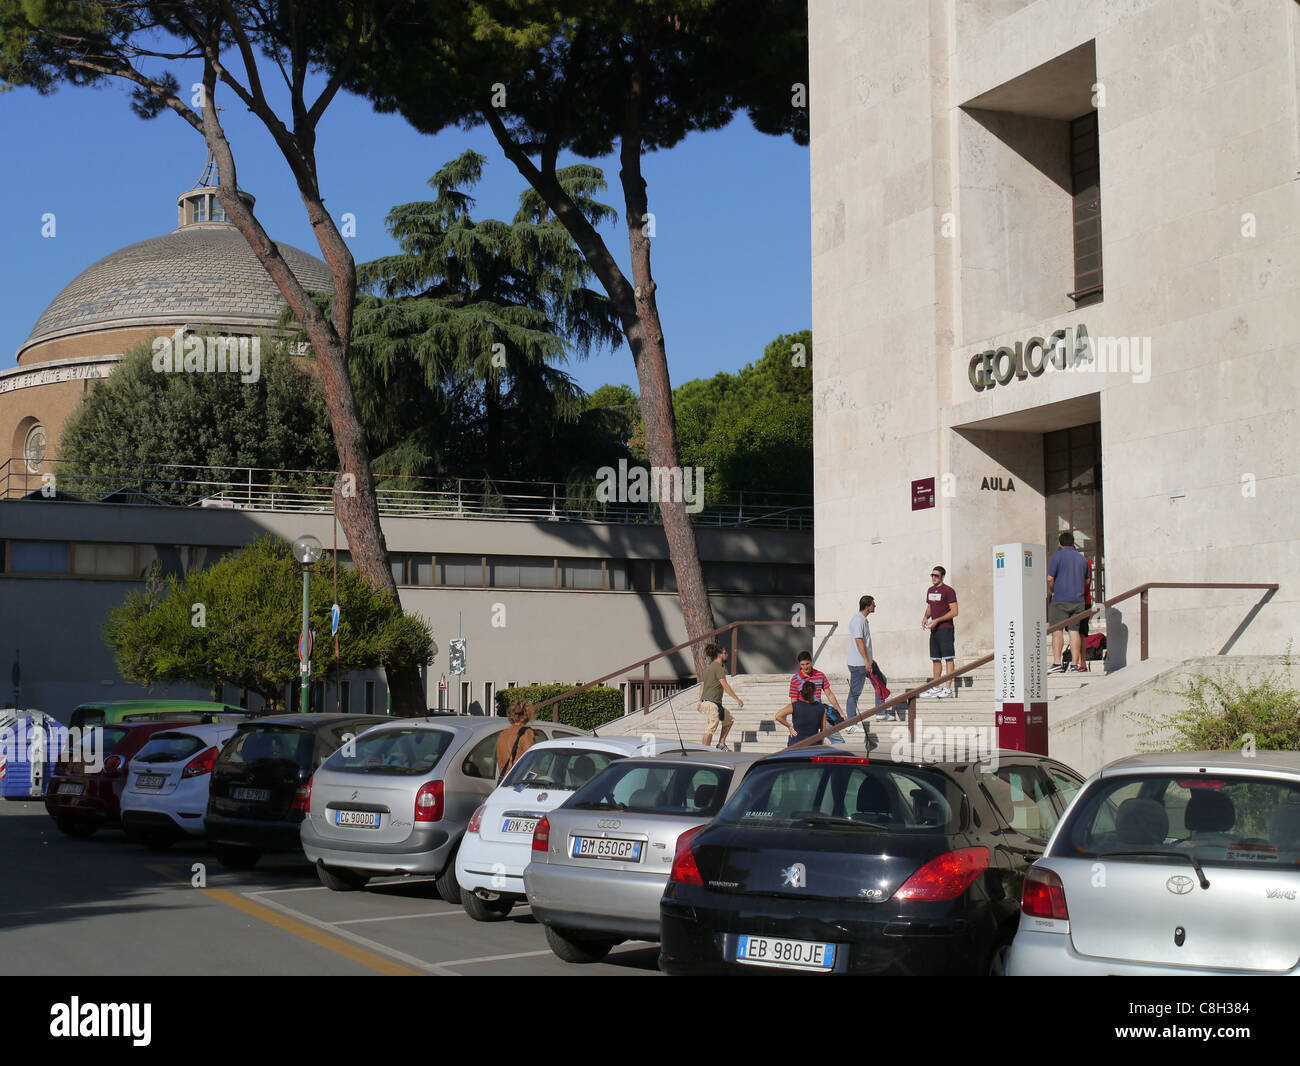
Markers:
1179,863
398,799
611,847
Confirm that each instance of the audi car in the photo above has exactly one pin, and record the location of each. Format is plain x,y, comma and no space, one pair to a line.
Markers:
836,863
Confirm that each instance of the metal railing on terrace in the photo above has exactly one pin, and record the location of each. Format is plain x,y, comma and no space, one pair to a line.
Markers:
258,489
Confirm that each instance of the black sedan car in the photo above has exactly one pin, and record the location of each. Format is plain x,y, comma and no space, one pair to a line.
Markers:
825,862
261,782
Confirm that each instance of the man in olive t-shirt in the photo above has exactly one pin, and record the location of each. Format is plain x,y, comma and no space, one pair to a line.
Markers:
713,680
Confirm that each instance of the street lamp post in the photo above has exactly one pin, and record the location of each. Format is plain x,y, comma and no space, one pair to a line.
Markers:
306,549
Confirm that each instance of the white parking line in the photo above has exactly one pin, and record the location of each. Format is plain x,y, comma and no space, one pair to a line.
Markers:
495,958
398,917
373,945
276,891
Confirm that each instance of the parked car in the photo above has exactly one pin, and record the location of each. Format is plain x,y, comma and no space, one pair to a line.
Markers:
82,798
499,839
166,792
599,879
113,712
1177,863
836,863
261,781
398,801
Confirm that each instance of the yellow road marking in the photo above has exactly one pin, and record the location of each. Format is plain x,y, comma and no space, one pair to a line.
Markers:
320,938
370,959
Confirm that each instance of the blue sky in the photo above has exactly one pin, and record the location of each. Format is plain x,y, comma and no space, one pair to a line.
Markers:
730,253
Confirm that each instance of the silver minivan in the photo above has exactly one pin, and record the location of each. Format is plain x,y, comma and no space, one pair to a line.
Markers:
397,800
1177,863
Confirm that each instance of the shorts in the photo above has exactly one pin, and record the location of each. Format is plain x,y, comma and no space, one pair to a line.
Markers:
942,643
1060,610
713,714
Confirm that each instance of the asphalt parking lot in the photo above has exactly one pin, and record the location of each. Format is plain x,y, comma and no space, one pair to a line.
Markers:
105,906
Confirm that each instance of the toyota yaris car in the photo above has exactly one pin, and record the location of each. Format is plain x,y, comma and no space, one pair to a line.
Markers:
1177,863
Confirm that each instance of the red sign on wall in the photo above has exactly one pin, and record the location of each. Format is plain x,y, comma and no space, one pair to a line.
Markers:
922,494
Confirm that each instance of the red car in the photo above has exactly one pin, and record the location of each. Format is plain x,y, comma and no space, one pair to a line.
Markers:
81,799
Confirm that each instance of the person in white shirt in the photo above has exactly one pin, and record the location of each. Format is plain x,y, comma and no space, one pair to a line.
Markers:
861,660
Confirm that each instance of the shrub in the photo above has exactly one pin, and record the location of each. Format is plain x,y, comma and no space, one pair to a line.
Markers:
586,710
1221,713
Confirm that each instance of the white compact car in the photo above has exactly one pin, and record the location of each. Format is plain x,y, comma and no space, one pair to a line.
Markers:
499,841
166,792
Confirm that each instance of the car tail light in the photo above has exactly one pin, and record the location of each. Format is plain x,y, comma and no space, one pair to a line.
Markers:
685,871
946,876
1202,782
851,760
113,763
477,819
200,764
428,802
1044,895
302,797
541,835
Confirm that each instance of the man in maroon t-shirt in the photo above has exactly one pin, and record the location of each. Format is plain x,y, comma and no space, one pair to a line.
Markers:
940,610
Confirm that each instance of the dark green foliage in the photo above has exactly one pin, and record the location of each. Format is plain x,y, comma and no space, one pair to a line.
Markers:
585,710
752,431
141,417
251,618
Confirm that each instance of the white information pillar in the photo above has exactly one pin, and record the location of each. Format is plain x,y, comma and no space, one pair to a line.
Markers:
1020,646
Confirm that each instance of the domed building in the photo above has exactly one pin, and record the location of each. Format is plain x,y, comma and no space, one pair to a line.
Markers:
202,275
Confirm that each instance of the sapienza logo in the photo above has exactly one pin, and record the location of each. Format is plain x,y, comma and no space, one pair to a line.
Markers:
103,1019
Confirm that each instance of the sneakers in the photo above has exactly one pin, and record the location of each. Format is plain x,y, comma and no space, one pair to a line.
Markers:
929,694
854,729
943,694
721,747
1057,668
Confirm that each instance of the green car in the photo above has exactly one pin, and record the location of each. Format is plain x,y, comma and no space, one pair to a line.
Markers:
113,712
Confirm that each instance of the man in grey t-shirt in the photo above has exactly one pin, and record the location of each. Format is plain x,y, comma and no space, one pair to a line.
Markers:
861,658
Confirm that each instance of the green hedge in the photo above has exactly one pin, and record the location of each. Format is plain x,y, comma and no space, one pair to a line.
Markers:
586,710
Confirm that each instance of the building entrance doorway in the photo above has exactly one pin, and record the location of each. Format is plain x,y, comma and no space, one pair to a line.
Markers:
1072,489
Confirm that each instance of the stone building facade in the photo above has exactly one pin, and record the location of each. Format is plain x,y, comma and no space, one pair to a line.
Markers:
1054,264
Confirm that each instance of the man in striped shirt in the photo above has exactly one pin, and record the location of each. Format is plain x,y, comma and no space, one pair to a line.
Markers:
807,672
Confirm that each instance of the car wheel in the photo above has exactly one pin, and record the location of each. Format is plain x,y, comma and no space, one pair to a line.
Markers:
339,879
998,960
76,827
574,946
487,910
234,857
446,884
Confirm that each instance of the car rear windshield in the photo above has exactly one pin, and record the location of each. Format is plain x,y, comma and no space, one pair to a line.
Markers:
392,751
791,794
646,789
171,747
111,737
270,744
568,768
1221,819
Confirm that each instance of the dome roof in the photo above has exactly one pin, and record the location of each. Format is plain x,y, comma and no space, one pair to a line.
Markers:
201,273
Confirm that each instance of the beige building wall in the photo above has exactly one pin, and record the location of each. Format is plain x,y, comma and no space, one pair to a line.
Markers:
941,229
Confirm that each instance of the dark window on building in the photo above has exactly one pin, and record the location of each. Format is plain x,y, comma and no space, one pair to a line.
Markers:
1085,177
459,570
1072,480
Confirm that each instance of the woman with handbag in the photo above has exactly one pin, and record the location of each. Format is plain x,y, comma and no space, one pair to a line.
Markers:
516,738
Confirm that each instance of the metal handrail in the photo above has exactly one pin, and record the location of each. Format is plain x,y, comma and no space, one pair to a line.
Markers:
644,664
909,697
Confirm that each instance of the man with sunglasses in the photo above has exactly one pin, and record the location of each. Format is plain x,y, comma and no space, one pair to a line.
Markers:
940,610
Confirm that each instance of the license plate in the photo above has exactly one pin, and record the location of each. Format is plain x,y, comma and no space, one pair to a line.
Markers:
70,788
361,819
785,954
256,795
606,848
519,825
150,780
